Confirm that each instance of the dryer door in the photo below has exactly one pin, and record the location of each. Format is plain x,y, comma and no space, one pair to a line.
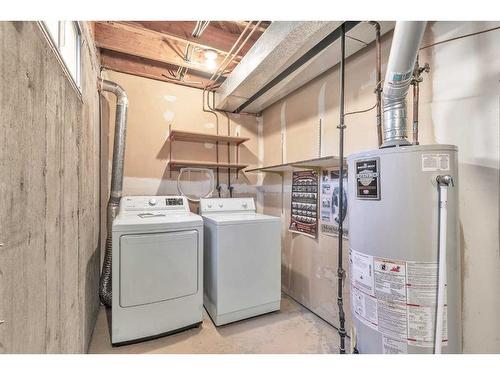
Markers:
156,267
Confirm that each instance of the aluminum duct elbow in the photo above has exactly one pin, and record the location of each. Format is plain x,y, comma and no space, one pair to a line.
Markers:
117,168
121,95
404,49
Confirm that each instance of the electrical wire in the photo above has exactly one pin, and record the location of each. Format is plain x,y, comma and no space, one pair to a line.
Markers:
460,37
356,39
361,111
237,51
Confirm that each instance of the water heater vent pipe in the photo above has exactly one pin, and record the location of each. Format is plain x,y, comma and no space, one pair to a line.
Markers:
405,44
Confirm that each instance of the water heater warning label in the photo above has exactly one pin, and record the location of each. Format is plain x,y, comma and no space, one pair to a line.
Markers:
361,267
422,285
390,290
397,299
368,179
435,162
392,346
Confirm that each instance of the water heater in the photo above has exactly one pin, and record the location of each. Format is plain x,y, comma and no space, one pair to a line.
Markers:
397,231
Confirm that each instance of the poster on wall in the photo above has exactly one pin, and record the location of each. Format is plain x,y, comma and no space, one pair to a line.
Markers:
304,210
329,203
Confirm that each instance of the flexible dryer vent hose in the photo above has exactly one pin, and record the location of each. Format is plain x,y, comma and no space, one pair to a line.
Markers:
105,284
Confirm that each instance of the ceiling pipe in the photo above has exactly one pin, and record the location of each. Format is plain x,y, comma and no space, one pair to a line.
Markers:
378,79
217,186
222,68
228,55
405,44
105,285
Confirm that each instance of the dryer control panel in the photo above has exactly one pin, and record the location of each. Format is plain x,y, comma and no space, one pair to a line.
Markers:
211,205
154,203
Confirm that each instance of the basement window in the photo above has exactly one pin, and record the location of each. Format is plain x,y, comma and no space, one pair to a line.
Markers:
65,38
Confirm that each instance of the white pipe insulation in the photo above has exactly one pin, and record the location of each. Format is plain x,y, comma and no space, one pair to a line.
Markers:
443,183
404,49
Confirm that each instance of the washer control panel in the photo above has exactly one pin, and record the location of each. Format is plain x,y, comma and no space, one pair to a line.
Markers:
154,203
226,205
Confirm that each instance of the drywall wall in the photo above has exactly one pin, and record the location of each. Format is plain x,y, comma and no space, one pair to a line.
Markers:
153,107
49,195
459,104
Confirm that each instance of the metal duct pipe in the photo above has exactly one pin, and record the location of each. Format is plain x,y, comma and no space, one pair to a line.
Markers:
105,286
405,43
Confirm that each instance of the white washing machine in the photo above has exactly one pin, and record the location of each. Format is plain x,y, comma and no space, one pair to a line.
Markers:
242,260
157,268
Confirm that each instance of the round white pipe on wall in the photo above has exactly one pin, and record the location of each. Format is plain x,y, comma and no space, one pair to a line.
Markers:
443,183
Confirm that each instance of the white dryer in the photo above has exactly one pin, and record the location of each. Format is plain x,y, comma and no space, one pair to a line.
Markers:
157,268
242,260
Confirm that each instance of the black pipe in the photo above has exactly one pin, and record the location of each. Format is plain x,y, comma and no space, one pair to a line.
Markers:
229,187
341,127
378,79
217,142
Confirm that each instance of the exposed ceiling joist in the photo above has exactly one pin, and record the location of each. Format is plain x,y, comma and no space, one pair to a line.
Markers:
146,68
152,45
262,27
218,35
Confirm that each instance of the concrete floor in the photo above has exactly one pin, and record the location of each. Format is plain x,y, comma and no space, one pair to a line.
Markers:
293,330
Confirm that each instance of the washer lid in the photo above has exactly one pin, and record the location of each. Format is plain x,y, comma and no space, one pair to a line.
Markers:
239,218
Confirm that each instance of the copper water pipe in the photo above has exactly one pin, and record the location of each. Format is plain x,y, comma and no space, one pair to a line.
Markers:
378,79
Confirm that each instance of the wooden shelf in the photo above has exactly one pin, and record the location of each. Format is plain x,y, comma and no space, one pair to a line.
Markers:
181,135
324,162
177,164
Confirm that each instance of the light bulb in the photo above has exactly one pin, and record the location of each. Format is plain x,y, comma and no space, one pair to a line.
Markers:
210,54
210,64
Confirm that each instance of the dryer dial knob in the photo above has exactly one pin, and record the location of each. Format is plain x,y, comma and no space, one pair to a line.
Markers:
152,202
220,205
